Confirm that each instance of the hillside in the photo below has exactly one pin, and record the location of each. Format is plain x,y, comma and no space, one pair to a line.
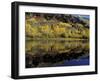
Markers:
56,26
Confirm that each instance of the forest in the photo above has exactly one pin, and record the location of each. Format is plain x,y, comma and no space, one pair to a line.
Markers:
53,26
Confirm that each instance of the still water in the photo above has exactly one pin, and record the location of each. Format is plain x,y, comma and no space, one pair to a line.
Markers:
55,53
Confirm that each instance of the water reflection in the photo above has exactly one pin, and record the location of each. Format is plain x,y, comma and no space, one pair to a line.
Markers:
50,53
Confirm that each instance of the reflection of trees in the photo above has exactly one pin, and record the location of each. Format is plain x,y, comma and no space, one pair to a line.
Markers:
55,46
38,52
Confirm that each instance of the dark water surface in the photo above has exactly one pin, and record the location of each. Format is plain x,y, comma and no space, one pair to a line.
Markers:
54,53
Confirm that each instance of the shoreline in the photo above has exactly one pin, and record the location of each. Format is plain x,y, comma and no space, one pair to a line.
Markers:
58,39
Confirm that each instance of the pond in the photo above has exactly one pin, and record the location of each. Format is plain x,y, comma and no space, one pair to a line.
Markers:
55,53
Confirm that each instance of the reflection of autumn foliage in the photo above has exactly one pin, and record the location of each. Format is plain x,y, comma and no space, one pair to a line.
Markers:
54,30
53,47
54,51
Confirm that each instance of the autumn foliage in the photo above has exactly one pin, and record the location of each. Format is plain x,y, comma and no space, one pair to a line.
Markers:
56,26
